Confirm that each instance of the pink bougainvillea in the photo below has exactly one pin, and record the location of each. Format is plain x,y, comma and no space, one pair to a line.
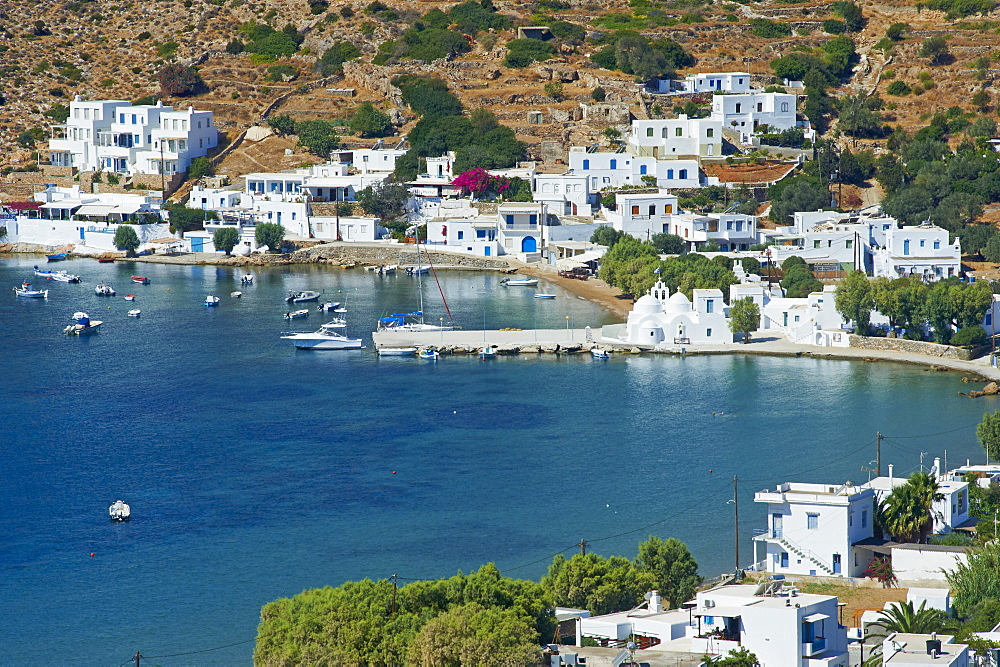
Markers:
479,182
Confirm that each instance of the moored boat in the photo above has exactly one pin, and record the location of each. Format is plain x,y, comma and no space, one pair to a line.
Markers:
324,338
417,270
25,291
130,297
236,295
247,279
429,353
120,511
519,282
388,269
329,306
488,352
300,297
103,289
397,351
58,276
598,353
212,300
106,260
134,313
57,257
297,314
82,324
140,280
545,296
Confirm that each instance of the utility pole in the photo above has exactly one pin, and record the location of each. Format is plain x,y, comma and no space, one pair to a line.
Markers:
878,452
583,547
136,658
736,522
395,586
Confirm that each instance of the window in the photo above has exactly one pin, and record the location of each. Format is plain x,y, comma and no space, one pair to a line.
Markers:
708,332
642,170
850,519
739,107
921,243
812,521
937,245
649,131
670,174
461,235
678,132
739,225
710,132
760,107
682,174
784,107
635,210
480,233
849,244
614,164
133,119
663,133
652,209
961,501
815,244
906,247
532,219
784,559
709,305
510,219
729,226
864,518
121,118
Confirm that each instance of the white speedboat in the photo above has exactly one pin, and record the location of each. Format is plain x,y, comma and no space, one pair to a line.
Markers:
103,289
212,300
397,351
429,353
387,269
297,314
58,276
598,353
410,322
417,270
545,296
120,511
300,297
236,295
329,306
25,291
519,282
324,338
488,352
134,313
247,279
82,325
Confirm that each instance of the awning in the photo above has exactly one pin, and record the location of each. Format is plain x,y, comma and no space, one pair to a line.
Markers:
813,618
95,209
126,209
63,203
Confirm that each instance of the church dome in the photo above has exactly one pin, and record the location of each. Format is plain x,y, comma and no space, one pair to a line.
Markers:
677,303
646,305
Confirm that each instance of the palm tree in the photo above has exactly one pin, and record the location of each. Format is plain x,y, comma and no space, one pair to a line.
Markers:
901,617
907,511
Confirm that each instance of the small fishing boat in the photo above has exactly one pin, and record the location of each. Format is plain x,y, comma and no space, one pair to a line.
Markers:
130,297
324,338
336,323
388,269
58,276
397,351
519,282
247,279
25,291
545,296
340,309
82,324
103,289
120,511
417,270
236,295
598,353
488,352
134,313
140,280
58,257
212,300
329,306
300,297
297,314
106,260
428,353
372,267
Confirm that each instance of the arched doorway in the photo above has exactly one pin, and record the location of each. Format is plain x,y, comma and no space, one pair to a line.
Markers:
529,244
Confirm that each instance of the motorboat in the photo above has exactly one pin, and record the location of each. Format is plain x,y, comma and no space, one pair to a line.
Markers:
103,289
545,296
340,309
417,270
25,291
397,351
236,295
300,297
58,257
247,279
488,352
324,338
120,511
130,297
212,300
429,353
410,322
297,314
598,353
106,260
82,324
519,282
140,280
329,306
58,276
336,323
134,313
388,269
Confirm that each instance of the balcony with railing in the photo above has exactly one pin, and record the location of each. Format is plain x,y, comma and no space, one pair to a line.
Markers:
811,648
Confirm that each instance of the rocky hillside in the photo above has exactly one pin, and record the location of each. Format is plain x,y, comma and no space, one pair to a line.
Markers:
51,51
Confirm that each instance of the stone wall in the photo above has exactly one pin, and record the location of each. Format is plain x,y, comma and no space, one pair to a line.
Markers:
387,254
913,347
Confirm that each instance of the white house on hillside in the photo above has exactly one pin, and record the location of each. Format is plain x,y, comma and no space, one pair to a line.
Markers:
607,170
745,112
922,251
711,82
642,214
730,231
676,138
117,137
566,194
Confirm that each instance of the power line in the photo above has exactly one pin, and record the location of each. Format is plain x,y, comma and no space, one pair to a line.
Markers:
206,650
931,435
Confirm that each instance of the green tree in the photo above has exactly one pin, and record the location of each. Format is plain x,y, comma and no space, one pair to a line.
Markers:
601,585
184,219
334,58
988,433
674,567
471,634
976,580
523,52
368,121
906,511
854,301
385,200
200,167
607,236
283,124
319,137
625,260
904,618
936,50
180,81
669,244
126,239
737,657
887,298
225,239
801,193
270,234
744,317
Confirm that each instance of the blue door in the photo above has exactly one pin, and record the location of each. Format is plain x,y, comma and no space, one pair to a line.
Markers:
486,250
82,235
197,244
836,563
784,559
529,244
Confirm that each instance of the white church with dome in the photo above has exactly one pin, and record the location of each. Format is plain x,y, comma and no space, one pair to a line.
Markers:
661,318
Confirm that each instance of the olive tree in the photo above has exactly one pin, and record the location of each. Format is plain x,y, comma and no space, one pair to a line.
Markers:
225,239
988,433
854,301
744,317
270,234
126,239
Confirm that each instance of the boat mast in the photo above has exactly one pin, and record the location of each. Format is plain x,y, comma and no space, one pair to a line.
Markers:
420,280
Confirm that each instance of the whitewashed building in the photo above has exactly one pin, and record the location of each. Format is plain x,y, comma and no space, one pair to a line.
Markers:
922,251
746,112
949,510
715,82
676,138
660,318
607,170
116,137
913,650
521,229
642,214
474,236
376,160
565,194
732,232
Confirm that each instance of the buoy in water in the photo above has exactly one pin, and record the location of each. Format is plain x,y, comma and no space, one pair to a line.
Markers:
709,470
91,554
393,472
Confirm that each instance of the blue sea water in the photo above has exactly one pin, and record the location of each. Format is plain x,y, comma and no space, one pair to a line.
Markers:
255,471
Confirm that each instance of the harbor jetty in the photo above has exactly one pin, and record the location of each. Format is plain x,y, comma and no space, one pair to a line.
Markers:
506,341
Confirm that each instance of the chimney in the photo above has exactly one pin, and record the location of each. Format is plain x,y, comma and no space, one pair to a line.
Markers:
937,467
654,601
890,477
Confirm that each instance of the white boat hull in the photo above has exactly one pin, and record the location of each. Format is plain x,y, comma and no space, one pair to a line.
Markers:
319,342
397,351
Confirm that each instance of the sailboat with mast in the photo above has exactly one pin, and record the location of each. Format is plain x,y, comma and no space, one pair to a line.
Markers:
414,321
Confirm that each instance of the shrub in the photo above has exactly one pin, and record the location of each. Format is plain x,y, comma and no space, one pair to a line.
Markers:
200,167
898,88
280,73
523,52
334,58
235,47
834,27
598,94
317,136
768,29
368,121
180,81
970,336
166,50
554,89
